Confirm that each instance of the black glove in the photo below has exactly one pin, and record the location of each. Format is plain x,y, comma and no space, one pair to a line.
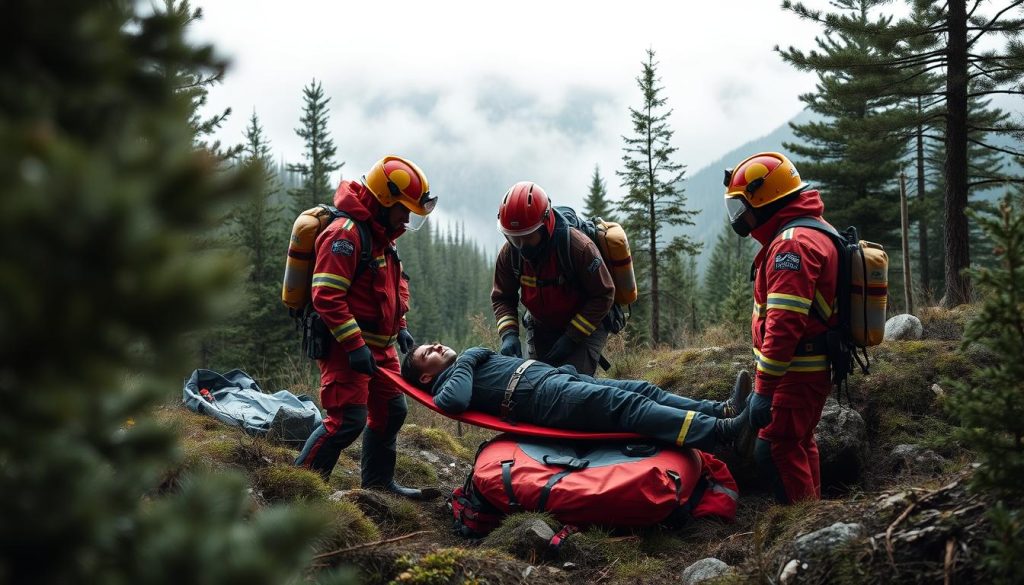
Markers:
361,360
405,340
510,345
760,410
560,351
475,356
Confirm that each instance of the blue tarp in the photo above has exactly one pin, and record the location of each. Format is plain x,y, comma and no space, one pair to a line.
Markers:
237,400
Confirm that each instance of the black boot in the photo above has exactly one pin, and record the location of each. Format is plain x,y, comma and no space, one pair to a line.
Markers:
425,494
737,401
728,430
380,454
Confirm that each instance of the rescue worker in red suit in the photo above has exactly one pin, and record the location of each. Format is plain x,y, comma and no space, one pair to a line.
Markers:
795,278
566,310
363,307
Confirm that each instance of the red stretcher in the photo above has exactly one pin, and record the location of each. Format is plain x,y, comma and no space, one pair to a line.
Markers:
490,421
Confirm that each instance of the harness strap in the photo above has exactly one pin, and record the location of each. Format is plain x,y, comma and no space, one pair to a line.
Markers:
506,479
507,404
546,491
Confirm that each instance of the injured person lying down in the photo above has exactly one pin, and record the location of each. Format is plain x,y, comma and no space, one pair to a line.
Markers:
534,392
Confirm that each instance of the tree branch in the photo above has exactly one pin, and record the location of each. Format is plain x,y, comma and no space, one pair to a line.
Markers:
995,148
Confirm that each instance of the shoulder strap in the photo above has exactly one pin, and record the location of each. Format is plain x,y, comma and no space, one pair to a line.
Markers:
562,246
365,240
810,222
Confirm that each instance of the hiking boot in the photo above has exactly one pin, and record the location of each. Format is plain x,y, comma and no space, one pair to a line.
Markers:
737,401
729,430
424,495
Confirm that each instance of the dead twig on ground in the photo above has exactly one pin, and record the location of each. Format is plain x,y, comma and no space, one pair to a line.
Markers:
906,513
342,551
950,559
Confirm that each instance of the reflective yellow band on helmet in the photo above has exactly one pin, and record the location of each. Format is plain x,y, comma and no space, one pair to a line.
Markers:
345,330
506,322
788,303
685,428
326,279
530,281
376,340
770,366
582,324
822,305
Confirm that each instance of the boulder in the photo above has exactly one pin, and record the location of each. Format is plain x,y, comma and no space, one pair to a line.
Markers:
903,327
821,543
703,570
842,439
530,540
916,459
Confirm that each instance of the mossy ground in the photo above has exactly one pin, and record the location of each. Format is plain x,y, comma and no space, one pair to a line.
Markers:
897,401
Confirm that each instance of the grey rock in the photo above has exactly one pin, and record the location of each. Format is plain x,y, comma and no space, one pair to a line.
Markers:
430,457
338,495
938,391
842,438
530,539
903,327
916,459
790,571
703,570
821,542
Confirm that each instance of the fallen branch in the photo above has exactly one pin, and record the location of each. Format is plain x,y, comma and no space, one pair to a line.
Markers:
950,559
905,514
342,551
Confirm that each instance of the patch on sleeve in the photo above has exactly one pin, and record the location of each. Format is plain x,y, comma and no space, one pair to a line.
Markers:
787,261
343,247
594,265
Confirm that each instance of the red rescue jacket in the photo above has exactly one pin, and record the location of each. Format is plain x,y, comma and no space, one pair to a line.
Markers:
794,296
369,308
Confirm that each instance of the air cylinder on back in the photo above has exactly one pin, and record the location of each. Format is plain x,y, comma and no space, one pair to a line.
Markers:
295,290
614,245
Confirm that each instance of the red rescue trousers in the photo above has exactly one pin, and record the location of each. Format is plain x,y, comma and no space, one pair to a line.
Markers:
786,448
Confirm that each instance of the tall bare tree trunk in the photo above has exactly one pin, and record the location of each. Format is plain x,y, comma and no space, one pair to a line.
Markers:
958,286
922,224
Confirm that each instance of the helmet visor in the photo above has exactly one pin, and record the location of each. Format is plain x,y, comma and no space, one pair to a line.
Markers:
519,240
428,202
735,207
415,222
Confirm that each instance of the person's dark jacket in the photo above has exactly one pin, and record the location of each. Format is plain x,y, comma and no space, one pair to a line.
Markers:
478,379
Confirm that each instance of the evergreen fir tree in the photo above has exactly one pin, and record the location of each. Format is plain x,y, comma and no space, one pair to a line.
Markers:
970,71
655,198
730,262
597,203
990,410
845,154
319,153
94,310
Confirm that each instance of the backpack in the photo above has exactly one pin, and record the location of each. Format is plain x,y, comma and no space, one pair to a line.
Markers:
296,289
861,294
611,242
613,484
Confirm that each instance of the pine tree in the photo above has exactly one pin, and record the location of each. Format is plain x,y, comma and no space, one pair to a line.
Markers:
597,203
990,410
320,150
94,310
845,154
970,71
730,262
655,198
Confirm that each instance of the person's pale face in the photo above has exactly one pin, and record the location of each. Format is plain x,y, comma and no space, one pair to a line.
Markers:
432,359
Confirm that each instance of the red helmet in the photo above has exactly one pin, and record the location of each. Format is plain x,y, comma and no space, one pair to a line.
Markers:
525,208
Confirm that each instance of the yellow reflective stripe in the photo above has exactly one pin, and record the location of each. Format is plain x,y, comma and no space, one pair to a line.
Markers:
809,363
760,309
381,262
788,303
507,321
377,340
582,324
530,281
788,234
823,307
685,428
770,366
348,224
345,330
329,280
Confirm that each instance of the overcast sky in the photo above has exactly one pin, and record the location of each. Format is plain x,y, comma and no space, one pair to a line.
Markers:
483,94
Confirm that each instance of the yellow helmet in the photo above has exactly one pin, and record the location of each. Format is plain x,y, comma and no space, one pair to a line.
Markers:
396,180
762,179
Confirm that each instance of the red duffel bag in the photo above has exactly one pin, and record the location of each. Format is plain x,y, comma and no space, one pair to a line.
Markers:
609,484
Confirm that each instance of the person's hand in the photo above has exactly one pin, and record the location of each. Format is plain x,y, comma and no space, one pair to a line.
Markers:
511,346
405,340
760,410
560,351
475,356
361,360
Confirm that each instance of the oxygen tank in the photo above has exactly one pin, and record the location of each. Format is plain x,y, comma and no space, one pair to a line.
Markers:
869,289
298,269
614,247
